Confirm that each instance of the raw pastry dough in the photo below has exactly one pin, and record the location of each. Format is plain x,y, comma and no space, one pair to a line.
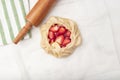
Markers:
55,48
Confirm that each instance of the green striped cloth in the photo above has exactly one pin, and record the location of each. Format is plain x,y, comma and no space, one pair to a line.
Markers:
12,19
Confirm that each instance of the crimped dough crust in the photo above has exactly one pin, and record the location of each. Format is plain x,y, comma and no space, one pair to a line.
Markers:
54,48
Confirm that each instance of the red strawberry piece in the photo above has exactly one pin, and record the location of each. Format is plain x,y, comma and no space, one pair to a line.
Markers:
54,28
66,41
56,34
51,40
51,35
61,30
60,39
68,33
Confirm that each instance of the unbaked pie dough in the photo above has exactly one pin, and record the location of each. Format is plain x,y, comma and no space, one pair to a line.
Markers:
54,48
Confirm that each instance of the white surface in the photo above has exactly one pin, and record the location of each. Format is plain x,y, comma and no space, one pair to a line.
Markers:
96,59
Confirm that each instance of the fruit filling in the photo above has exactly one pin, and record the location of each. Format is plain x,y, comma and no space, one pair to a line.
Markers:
61,35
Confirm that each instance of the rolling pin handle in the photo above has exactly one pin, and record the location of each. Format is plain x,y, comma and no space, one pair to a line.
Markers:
23,32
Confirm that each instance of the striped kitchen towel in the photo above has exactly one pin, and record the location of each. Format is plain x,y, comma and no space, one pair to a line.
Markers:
12,19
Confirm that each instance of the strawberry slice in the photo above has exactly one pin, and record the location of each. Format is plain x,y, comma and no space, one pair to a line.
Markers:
54,28
68,33
66,41
51,35
61,30
51,41
60,39
56,34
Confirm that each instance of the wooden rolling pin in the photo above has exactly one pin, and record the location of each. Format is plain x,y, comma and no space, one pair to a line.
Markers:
34,17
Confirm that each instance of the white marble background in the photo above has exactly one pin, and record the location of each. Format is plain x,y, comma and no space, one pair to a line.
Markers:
98,58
